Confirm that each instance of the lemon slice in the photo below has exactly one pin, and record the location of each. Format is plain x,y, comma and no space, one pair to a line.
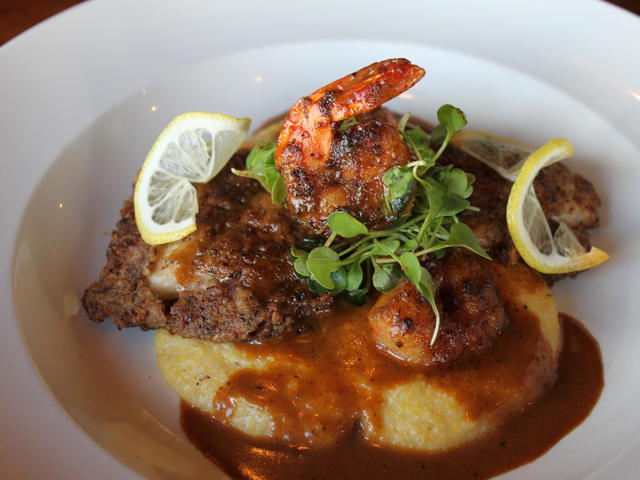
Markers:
560,252
192,148
505,156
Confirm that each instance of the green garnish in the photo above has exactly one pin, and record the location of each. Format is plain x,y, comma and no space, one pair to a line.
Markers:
261,166
399,186
349,122
380,258
345,225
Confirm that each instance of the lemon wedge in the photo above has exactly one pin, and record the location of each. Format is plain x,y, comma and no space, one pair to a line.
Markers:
192,148
505,156
560,252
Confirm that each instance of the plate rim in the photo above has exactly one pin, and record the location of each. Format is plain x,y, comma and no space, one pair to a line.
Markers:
29,40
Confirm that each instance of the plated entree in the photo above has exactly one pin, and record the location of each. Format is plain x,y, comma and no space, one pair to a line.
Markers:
352,293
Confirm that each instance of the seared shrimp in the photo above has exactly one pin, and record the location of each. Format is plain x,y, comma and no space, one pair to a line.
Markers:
328,168
471,311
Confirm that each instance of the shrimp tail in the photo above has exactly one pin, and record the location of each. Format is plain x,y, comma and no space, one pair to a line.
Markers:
368,88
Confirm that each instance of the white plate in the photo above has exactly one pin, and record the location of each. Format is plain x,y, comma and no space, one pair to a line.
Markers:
83,95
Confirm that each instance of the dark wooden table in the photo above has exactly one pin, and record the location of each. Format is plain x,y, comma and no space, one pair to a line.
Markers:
17,16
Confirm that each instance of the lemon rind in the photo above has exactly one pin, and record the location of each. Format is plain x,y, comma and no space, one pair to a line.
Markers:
553,151
151,232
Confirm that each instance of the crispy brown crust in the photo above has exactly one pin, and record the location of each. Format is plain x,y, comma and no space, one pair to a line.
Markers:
568,197
122,292
238,313
360,156
240,281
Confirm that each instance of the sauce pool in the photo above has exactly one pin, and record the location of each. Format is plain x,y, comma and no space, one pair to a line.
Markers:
520,439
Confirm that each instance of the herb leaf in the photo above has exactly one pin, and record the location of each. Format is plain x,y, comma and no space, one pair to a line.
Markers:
427,289
386,276
426,286
384,247
300,262
278,191
456,181
260,165
349,122
452,118
453,204
339,278
438,135
419,140
462,236
411,267
322,262
399,185
345,225
355,275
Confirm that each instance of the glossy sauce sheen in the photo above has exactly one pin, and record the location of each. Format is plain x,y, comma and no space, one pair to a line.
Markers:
183,258
521,439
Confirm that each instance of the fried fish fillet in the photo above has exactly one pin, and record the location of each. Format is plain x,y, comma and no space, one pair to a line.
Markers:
231,280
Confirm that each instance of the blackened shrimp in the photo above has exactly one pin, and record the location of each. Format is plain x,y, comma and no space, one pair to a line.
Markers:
329,165
471,310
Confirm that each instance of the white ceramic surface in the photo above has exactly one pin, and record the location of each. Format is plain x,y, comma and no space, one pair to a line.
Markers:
83,95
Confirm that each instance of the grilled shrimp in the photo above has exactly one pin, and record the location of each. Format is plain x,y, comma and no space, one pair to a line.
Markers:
329,167
471,310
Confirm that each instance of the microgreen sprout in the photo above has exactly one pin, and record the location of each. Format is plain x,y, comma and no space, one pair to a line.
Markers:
261,166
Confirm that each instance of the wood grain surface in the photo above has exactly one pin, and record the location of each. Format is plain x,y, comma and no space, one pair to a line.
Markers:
16,16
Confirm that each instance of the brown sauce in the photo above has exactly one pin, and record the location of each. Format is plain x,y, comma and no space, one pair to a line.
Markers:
520,439
183,257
